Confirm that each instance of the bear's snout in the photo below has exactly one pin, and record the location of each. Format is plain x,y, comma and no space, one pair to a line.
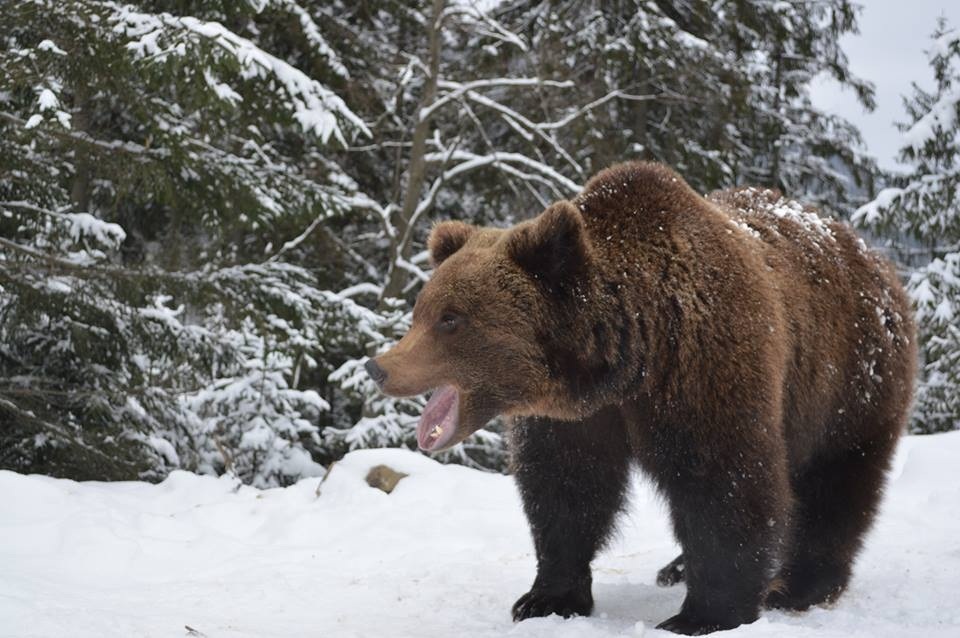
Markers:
378,374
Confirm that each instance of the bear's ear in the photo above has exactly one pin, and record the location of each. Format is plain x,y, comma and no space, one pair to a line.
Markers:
553,247
447,238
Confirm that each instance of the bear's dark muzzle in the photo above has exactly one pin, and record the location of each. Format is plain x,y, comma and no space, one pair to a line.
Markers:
378,374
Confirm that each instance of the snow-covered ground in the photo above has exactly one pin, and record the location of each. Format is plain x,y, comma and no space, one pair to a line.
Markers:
445,555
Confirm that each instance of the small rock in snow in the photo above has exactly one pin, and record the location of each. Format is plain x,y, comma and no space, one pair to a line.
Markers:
384,478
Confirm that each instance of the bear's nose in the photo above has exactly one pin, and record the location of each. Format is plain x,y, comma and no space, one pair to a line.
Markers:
378,374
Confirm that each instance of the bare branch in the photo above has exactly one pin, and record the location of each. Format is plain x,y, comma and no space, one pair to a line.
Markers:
486,140
457,89
497,30
612,95
471,161
512,116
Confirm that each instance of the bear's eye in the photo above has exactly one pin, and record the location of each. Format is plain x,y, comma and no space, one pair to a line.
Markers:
448,322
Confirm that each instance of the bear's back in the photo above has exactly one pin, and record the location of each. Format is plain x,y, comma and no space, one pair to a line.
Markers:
629,195
727,262
765,214
850,321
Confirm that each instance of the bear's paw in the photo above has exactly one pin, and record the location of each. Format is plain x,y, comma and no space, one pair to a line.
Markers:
538,603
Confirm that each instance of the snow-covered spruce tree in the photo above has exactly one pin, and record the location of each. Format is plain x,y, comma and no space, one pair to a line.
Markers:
720,90
156,170
659,87
790,144
924,207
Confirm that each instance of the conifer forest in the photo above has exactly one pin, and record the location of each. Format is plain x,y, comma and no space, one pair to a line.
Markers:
212,213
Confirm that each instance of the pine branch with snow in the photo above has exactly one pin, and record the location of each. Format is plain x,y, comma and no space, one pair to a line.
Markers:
151,163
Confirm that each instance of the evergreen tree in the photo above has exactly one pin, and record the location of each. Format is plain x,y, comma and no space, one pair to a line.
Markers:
790,144
921,210
719,90
151,165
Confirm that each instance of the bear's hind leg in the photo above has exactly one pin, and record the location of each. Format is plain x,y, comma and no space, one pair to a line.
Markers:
836,500
733,525
572,478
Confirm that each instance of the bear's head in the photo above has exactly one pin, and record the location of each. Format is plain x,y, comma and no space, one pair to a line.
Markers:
483,323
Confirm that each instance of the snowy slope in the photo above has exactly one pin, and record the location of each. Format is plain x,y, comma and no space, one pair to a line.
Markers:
446,554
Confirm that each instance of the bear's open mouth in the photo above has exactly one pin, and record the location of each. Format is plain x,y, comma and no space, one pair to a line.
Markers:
439,420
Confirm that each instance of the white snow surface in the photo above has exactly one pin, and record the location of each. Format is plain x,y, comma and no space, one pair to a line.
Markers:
445,554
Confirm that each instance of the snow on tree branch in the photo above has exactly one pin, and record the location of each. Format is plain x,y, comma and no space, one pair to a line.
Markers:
316,107
941,115
471,161
312,33
457,89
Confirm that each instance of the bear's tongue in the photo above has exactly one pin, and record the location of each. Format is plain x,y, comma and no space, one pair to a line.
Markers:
438,423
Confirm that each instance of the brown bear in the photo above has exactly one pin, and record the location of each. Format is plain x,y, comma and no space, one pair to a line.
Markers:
755,360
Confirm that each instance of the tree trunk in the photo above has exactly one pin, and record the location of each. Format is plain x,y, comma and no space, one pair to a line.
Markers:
400,246
80,188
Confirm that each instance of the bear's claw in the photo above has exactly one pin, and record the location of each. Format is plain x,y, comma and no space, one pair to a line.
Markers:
671,573
538,603
681,624
694,624
823,594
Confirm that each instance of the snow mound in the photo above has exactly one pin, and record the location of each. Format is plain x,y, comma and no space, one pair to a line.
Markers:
445,554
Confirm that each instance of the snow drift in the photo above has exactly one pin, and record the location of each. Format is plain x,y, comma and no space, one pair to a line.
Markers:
445,554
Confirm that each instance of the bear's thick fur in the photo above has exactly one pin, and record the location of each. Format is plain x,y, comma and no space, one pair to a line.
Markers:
755,360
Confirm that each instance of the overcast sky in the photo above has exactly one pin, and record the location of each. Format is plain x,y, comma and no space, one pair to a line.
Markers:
889,52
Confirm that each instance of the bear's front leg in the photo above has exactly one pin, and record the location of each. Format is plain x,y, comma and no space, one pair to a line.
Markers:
732,522
572,477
